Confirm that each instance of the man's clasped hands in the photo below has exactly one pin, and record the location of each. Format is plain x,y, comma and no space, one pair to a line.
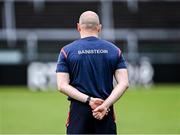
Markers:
99,110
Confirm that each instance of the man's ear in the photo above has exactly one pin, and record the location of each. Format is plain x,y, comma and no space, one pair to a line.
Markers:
99,28
78,27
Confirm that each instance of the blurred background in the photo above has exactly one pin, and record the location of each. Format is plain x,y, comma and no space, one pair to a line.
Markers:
32,33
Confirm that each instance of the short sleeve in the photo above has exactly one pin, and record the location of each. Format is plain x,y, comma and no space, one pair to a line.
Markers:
121,61
62,65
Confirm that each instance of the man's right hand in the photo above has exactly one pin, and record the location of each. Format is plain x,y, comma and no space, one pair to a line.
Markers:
95,102
100,112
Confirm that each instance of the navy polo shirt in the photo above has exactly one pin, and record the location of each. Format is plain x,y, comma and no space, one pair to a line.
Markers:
91,64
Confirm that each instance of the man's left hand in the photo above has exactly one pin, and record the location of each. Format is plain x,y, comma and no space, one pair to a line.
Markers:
95,102
100,112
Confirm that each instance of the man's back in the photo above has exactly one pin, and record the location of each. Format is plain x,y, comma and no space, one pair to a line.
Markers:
91,63
85,72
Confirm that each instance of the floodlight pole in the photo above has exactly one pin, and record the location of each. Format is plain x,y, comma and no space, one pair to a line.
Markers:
9,22
132,48
31,50
107,20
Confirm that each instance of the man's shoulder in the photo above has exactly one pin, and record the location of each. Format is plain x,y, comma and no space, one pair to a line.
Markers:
109,44
71,45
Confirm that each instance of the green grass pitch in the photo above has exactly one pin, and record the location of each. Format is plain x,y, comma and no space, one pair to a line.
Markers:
154,111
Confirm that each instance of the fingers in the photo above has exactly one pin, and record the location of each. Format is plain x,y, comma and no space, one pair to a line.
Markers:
107,111
98,101
100,109
99,113
95,102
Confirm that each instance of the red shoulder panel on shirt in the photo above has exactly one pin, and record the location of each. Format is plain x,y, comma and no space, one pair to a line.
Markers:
64,53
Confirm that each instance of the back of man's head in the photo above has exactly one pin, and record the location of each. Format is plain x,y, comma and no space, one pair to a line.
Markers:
89,20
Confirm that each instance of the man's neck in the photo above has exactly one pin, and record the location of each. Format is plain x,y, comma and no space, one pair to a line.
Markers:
84,35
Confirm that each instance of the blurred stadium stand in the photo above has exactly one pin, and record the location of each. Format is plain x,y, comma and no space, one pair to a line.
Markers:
33,30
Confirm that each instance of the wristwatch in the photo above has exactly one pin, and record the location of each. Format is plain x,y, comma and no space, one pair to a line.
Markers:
88,100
